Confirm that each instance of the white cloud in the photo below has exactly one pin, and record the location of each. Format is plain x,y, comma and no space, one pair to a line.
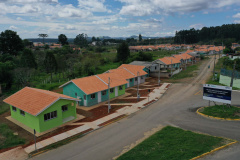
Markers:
237,21
236,15
29,1
13,27
192,16
197,26
93,5
150,7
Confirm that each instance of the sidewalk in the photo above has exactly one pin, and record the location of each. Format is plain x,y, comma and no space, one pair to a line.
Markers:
131,108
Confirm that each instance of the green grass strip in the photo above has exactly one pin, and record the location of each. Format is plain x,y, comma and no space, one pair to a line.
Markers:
7,138
173,143
222,111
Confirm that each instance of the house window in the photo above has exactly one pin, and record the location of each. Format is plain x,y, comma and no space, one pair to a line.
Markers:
93,96
111,90
84,97
141,77
64,108
155,68
104,92
136,79
131,80
120,88
75,94
14,108
50,115
22,112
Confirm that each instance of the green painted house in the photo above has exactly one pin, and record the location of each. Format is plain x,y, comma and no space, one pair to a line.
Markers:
94,89
40,109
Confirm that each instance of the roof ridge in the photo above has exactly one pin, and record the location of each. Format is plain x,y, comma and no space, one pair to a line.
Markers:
46,92
101,80
128,71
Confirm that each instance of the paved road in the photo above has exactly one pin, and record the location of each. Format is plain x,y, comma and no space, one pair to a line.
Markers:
177,107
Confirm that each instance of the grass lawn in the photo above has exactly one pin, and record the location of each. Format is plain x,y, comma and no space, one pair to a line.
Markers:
186,73
222,111
7,138
173,143
3,108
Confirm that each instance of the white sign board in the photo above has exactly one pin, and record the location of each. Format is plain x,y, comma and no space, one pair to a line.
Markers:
217,93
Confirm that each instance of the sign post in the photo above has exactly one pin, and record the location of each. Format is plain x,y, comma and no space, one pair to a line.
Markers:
217,93
35,139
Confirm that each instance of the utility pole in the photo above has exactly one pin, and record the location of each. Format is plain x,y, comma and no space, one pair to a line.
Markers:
234,66
137,87
214,65
171,67
159,74
186,63
109,107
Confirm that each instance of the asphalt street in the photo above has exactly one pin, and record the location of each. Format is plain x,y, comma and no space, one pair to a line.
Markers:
177,108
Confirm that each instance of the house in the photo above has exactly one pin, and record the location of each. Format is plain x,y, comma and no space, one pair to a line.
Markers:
184,58
169,62
94,89
139,72
130,73
40,109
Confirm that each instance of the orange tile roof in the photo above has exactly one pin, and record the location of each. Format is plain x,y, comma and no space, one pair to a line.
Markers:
96,83
34,101
122,73
115,79
135,69
169,60
89,85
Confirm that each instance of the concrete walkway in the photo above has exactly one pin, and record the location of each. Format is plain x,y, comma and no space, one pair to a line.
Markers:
132,108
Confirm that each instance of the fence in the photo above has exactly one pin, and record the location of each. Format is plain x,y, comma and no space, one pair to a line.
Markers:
228,73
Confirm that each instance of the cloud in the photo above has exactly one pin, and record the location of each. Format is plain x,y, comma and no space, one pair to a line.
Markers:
154,7
237,21
13,27
93,5
29,1
236,15
197,26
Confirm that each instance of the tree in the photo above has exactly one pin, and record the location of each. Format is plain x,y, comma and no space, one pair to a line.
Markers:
43,36
10,42
50,63
81,40
141,56
6,76
123,52
27,59
140,37
93,39
62,38
27,43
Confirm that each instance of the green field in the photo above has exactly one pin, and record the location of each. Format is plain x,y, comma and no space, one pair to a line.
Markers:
172,143
7,138
222,111
186,73
3,108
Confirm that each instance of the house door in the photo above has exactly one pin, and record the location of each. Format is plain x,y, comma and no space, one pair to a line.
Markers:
99,97
128,84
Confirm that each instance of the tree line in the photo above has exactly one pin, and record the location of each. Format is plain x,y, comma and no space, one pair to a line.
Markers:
209,35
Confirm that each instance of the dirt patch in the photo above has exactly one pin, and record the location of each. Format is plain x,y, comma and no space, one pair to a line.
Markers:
59,90
99,112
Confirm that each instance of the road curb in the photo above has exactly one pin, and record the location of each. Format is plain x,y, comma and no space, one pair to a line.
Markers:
214,150
204,115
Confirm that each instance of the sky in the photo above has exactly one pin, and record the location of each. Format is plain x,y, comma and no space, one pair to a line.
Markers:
114,18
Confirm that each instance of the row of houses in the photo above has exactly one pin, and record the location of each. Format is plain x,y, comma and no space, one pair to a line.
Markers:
41,110
97,88
174,64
